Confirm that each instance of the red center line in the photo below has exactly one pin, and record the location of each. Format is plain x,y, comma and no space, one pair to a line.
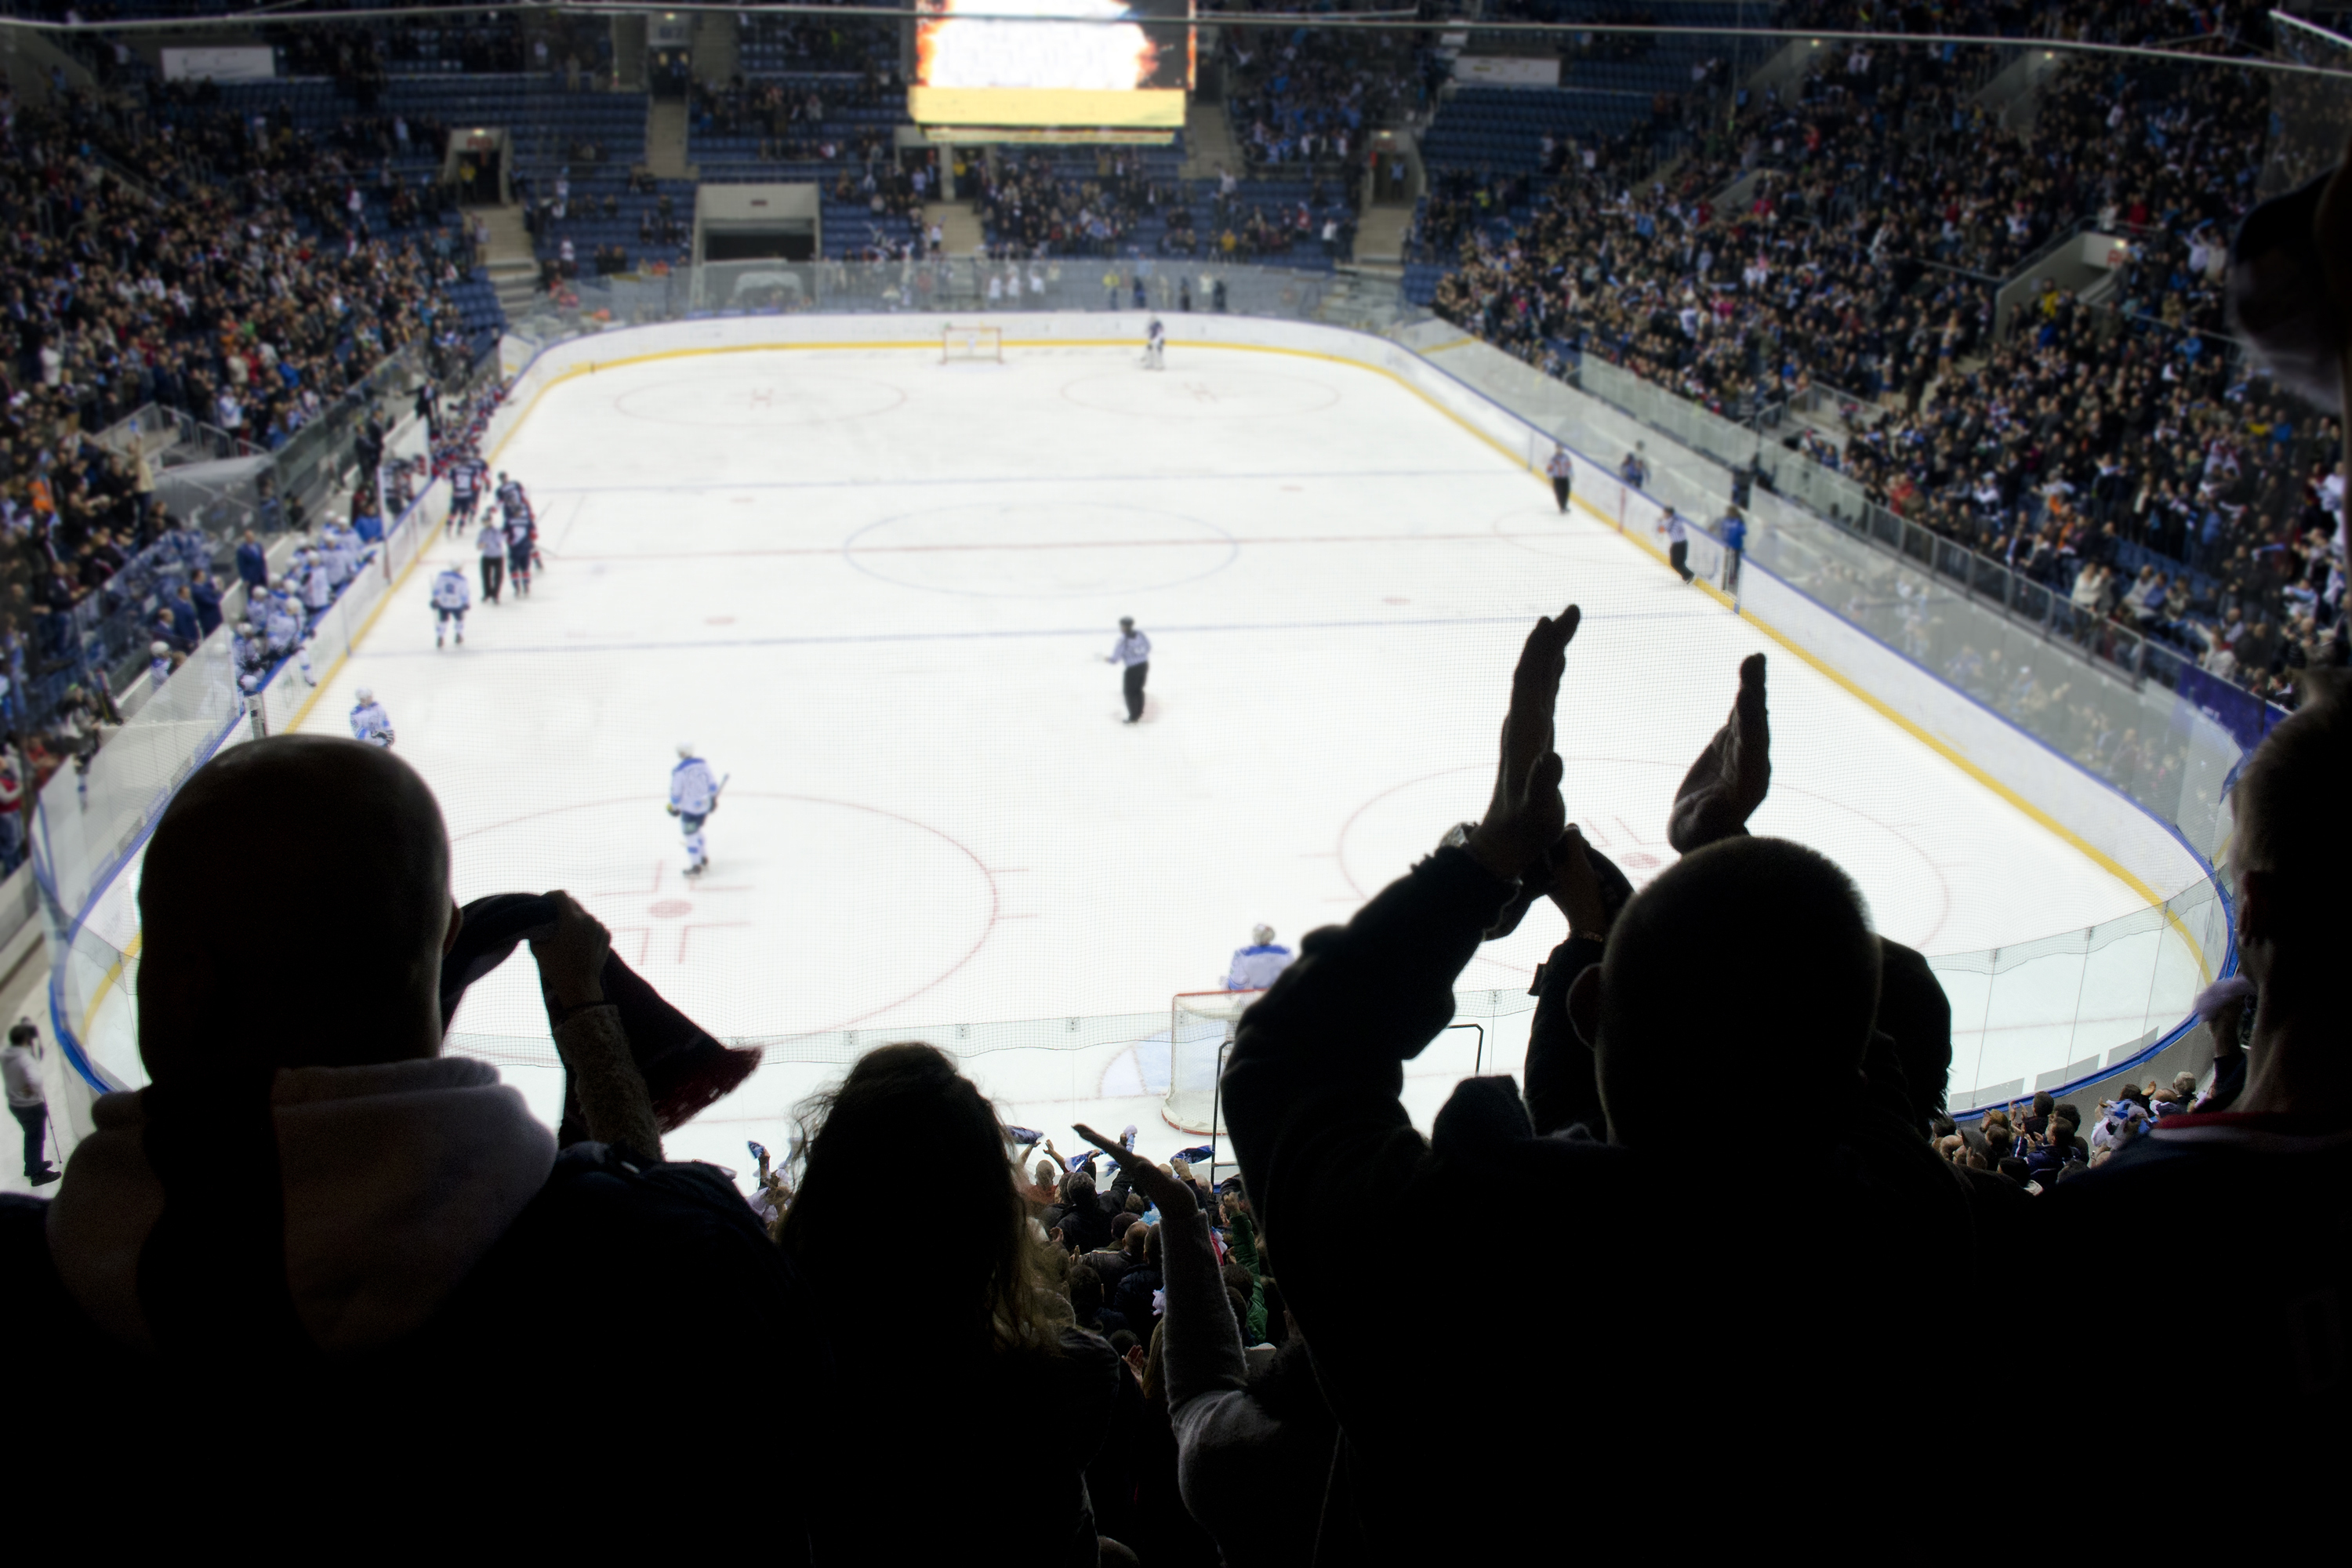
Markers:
1067,545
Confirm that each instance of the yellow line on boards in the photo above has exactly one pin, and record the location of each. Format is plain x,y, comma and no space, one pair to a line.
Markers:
1927,738
1918,732
106,986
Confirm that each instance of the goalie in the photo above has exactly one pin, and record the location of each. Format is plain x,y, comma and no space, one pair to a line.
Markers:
1254,967
693,796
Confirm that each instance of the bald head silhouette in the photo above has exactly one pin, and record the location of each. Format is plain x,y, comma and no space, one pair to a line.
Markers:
334,960
1750,960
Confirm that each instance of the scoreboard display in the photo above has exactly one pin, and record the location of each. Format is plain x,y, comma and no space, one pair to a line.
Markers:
1093,63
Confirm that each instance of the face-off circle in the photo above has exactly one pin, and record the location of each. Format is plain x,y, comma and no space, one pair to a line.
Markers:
743,951
1040,550
748,399
1221,392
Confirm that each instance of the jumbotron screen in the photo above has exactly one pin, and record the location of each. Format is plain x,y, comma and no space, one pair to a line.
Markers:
1112,63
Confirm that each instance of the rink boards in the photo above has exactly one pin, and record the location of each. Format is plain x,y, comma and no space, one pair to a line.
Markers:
1394,398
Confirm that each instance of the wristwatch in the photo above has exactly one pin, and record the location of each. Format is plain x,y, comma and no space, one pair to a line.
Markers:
1524,892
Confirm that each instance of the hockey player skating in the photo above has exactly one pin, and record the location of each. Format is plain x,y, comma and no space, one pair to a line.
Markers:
1253,967
693,796
492,544
1155,346
369,723
450,598
1133,649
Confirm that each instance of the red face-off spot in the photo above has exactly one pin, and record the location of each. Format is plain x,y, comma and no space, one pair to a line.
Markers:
670,908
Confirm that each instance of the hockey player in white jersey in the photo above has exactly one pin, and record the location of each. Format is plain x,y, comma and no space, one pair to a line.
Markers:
451,597
281,624
338,547
693,796
369,723
1254,967
1155,346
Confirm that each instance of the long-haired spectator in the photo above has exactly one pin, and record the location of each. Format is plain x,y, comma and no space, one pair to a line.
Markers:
925,1264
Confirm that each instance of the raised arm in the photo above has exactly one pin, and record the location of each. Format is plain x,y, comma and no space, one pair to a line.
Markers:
1562,1087
1732,775
1311,1096
1200,1342
588,1034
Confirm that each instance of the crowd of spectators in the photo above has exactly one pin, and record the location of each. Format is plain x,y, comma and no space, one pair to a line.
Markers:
1030,207
240,277
1855,272
805,43
1308,95
790,117
1209,1370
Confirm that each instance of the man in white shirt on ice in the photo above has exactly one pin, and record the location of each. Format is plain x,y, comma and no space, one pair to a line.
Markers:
1133,650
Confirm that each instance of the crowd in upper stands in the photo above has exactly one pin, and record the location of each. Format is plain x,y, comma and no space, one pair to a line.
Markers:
1314,97
2116,452
243,277
1031,207
790,117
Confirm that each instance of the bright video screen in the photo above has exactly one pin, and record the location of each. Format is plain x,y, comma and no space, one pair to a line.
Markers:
1110,64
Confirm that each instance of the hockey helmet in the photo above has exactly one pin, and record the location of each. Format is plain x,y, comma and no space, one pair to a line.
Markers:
1261,934
365,695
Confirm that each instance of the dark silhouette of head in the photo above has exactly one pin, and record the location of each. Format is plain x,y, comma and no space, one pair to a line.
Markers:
2292,850
1914,1012
337,963
842,1228
1751,956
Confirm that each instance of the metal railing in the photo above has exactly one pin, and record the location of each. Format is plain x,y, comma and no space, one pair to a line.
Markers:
2120,651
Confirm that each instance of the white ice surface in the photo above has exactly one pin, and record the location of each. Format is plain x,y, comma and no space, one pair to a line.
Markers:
877,591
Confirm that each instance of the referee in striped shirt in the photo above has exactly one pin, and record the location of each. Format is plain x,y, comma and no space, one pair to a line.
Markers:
1133,649
1562,469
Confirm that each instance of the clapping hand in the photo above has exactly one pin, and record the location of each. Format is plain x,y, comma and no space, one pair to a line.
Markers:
1525,818
1587,886
1732,775
1164,1192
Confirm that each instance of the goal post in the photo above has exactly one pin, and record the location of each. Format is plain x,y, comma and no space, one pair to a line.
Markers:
1200,1034
979,346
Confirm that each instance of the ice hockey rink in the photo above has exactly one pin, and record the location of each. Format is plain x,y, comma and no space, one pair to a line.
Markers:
877,591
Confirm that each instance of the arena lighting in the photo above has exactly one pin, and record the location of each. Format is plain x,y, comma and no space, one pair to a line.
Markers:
1376,21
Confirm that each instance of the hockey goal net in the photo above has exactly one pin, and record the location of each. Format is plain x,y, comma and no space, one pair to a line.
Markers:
1200,1034
972,344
